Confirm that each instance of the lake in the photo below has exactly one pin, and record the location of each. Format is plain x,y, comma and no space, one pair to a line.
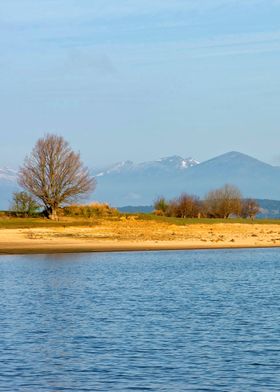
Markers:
147,321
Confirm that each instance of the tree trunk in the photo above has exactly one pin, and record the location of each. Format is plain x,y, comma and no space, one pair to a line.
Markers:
52,214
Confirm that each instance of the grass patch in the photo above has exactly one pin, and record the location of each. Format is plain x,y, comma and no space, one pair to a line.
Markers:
29,223
191,221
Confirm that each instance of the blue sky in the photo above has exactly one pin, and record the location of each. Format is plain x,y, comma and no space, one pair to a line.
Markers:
141,79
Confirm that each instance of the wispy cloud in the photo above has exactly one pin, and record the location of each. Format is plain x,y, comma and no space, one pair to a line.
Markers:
234,44
217,45
50,11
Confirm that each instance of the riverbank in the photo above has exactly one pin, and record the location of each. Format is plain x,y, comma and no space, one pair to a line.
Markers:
132,234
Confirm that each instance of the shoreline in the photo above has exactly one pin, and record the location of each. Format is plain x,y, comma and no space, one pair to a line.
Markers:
137,236
74,249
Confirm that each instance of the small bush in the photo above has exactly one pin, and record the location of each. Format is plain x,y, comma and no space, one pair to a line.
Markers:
93,210
24,204
160,205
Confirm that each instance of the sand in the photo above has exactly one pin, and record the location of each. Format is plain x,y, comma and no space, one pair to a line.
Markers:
130,234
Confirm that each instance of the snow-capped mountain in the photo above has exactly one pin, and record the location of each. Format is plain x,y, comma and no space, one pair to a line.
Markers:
172,163
139,184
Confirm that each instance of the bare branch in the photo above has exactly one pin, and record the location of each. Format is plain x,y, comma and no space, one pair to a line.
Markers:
54,174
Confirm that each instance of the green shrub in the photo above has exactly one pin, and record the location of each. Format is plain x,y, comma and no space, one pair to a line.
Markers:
24,204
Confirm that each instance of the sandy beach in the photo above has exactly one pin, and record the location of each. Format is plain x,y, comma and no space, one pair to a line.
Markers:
130,234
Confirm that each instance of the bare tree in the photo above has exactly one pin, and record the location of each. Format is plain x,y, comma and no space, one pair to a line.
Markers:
249,208
223,202
54,174
185,206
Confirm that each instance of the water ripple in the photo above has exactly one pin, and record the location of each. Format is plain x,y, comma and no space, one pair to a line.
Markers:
162,321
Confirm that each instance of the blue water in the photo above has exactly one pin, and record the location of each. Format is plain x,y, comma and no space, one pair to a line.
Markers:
170,321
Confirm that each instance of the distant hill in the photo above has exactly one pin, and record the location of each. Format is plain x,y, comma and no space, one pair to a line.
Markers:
254,178
269,209
136,209
129,184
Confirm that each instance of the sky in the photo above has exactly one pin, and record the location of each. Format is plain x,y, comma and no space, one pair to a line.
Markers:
141,79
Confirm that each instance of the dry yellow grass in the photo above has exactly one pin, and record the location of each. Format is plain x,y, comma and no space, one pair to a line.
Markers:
131,233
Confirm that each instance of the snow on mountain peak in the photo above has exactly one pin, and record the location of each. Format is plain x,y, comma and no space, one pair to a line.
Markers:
179,162
189,162
169,163
115,168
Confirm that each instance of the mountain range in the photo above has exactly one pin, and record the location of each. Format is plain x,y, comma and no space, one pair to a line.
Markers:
128,183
